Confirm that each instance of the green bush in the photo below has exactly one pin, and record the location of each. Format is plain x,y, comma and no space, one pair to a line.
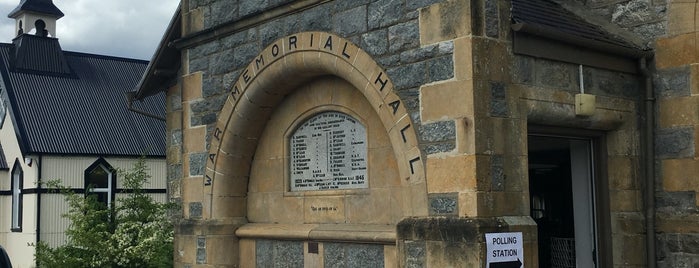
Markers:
134,232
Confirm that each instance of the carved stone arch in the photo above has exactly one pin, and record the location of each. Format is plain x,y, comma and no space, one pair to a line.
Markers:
278,70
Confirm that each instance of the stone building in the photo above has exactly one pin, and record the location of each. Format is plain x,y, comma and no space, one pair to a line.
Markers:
400,133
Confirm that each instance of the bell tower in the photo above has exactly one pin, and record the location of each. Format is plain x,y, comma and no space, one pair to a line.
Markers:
39,16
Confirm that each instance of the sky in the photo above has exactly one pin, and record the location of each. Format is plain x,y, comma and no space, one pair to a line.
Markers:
123,28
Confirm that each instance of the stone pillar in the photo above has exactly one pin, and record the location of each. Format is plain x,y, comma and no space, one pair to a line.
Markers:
677,130
199,240
481,186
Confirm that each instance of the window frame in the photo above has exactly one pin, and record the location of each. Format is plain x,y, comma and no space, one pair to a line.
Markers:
601,198
111,180
16,187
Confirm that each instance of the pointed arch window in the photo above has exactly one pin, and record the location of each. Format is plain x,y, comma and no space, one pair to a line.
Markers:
100,180
17,185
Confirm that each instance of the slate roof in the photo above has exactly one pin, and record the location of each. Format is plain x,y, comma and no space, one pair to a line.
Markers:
82,112
550,16
38,6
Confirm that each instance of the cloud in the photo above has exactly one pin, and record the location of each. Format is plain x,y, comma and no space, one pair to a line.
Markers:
125,28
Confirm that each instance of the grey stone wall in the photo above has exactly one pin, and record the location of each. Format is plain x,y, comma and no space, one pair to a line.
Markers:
387,29
565,76
218,12
274,253
678,250
343,255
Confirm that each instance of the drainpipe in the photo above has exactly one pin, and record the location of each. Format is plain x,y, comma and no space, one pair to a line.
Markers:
649,162
38,201
129,106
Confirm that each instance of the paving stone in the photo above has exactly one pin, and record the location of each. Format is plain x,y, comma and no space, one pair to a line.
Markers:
673,82
403,36
416,252
438,131
439,69
352,255
675,142
492,18
498,100
350,22
197,164
415,4
443,204
375,43
221,12
385,13
195,210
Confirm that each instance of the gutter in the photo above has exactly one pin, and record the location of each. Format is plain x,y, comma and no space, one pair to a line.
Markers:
165,62
649,195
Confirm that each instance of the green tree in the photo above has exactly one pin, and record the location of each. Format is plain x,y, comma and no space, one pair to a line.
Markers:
134,231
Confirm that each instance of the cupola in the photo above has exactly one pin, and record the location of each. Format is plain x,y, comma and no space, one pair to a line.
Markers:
38,15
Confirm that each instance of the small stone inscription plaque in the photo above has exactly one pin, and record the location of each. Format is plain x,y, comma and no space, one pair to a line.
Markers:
328,152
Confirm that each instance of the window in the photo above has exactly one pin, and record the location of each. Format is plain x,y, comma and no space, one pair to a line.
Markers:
17,181
100,180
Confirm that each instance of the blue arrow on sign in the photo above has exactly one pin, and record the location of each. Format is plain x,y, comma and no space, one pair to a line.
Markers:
507,264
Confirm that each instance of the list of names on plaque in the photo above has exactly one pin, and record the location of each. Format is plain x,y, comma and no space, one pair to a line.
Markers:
328,152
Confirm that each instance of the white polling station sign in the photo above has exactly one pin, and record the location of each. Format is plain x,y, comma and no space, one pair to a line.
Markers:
504,250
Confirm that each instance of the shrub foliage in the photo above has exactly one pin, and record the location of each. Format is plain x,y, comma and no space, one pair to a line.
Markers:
134,231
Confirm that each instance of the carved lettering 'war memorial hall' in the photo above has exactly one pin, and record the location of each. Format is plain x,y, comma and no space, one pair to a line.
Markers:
431,133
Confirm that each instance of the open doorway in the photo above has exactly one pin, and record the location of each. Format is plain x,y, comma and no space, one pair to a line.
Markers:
562,196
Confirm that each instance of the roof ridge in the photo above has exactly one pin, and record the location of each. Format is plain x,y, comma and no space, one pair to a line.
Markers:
39,6
94,55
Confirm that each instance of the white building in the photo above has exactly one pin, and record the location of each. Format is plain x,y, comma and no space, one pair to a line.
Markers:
62,116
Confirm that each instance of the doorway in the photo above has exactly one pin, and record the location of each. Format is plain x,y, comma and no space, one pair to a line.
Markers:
562,200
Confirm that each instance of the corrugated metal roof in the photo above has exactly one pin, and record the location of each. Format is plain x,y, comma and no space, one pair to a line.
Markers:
551,15
85,112
3,161
38,6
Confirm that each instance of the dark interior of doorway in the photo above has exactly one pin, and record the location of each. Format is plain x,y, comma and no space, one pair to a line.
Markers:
551,197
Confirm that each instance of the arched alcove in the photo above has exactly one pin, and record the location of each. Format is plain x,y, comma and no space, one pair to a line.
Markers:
293,79
379,197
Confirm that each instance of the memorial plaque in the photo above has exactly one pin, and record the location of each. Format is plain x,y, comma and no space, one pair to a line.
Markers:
328,152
